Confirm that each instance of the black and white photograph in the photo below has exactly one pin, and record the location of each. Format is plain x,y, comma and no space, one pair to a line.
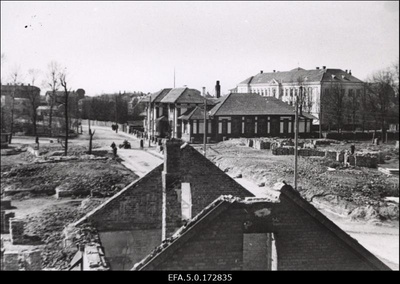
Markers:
199,138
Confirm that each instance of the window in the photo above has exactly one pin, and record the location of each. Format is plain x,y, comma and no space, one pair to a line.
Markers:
186,201
194,126
229,127
259,251
209,127
201,127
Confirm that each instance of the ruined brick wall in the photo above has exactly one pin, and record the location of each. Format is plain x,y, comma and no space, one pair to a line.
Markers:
218,247
303,243
207,183
138,207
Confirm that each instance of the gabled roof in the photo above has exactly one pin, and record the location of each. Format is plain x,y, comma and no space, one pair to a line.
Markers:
158,96
295,197
252,104
292,76
183,96
215,208
196,113
221,204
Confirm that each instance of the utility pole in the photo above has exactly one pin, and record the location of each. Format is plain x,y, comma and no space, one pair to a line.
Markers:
205,125
149,120
116,112
296,138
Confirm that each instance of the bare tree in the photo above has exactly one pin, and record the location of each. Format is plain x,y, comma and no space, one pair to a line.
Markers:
34,98
15,79
334,104
381,97
63,82
352,102
53,82
91,133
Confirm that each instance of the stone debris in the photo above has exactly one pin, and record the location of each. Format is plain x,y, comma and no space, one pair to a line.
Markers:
388,171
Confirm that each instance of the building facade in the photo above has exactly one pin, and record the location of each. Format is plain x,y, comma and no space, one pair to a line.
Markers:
244,115
312,85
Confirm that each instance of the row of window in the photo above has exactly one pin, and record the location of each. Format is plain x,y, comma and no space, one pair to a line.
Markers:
225,127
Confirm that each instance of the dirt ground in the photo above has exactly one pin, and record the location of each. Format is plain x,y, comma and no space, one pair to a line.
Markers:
361,201
30,183
356,192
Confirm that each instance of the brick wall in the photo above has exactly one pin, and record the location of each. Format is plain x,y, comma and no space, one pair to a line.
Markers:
135,207
207,183
219,246
302,242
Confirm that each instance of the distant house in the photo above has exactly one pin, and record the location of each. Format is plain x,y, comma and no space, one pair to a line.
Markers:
166,106
285,233
22,103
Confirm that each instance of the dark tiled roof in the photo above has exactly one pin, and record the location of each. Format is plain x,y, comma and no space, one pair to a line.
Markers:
196,113
158,96
183,96
314,75
252,104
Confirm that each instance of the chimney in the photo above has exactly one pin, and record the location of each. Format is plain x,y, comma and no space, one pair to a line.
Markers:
349,72
317,68
324,67
204,91
346,70
274,71
217,90
171,207
261,72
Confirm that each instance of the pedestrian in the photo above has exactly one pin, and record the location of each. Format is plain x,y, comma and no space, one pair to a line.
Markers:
347,158
114,147
352,149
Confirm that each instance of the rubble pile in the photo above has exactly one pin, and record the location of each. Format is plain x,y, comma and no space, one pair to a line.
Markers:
77,177
321,179
49,225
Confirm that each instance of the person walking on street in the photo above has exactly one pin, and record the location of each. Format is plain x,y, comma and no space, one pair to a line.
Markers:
114,147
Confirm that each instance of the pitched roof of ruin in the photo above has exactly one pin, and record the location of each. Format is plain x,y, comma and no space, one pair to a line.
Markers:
222,203
216,207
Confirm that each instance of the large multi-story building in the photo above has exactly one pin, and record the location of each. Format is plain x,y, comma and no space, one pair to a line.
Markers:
314,84
23,96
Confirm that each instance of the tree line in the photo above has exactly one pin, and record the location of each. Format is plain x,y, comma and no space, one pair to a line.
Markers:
374,107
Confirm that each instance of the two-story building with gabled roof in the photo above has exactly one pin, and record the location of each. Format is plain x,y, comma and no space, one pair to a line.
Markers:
166,106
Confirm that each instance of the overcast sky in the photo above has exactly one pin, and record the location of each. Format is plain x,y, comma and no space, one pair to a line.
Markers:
128,46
